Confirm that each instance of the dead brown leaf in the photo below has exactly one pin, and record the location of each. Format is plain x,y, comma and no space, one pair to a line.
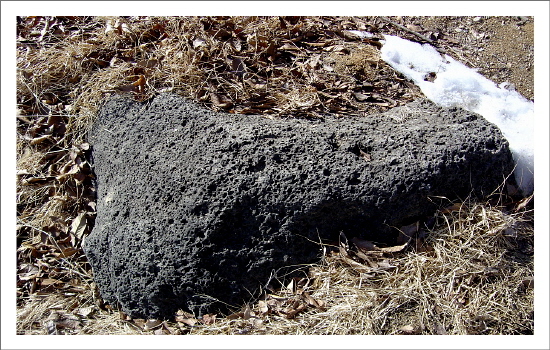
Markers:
263,307
528,283
39,139
247,313
209,319
78,226
187,321
59,320
139,322
364,245
409,330
220,101
235,315
294,309
523,203
152,324
49,281
394,249
67,252
319,304
85,311
452,208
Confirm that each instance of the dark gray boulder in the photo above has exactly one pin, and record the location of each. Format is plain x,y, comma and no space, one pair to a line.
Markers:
195,206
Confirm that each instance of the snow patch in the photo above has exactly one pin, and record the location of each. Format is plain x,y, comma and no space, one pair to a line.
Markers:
450,83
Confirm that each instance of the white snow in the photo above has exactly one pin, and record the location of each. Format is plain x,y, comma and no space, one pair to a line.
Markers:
457,85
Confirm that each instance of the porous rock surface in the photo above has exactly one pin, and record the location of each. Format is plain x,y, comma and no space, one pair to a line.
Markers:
196,206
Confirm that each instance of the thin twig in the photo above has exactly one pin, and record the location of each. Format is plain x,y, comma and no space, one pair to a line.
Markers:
413,32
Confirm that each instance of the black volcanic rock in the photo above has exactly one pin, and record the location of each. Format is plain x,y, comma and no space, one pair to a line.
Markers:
196,206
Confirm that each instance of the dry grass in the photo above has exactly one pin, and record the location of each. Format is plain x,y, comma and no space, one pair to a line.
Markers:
464,277
471,273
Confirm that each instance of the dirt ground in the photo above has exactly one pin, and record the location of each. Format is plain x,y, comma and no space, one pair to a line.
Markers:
502,48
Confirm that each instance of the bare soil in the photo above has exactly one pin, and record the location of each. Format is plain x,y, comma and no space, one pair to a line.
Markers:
501,48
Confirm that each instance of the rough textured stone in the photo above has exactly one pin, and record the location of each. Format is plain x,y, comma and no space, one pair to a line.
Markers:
193,203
